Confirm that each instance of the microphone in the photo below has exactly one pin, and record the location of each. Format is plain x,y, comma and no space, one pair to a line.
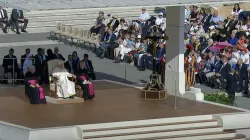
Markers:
170,67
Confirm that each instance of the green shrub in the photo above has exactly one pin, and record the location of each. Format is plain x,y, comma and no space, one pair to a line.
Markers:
219,97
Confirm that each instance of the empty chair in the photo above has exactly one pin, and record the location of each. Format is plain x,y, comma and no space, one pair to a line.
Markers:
63,30
90,40
80,37
67,33
74,34
58,30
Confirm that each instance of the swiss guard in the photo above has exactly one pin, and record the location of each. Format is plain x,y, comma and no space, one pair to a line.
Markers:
190,65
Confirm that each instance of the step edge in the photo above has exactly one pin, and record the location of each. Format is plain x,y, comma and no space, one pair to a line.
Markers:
149,125
147,132
189,135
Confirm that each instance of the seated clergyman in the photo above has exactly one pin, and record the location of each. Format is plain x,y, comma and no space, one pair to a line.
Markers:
33,90
65,87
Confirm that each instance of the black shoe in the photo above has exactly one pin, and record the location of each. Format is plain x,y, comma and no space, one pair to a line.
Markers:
141,69
18,33
5,31
24,31
117,61
71,97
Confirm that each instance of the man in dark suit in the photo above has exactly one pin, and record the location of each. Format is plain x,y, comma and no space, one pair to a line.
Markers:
4,19
215,68
89,67
220,78
231,88
149,58
206,20
224,71
109,40
75,61
242,75
40,65
10,64
69,65
230,25
16,18
57,55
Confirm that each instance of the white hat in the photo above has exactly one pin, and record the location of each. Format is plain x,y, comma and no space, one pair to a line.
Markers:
215,8
212,27
160,14
139,36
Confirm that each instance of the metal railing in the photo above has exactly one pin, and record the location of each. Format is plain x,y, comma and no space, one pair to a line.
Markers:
13,68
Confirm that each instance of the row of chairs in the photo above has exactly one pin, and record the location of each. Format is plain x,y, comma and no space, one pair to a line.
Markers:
81,36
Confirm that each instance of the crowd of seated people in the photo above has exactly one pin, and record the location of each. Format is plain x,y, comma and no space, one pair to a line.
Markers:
16,18
215,44
128,41
216,49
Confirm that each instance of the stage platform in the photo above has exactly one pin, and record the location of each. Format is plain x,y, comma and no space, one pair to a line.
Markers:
114,102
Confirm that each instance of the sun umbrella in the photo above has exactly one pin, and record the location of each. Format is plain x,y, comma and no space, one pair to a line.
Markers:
223,45
214,49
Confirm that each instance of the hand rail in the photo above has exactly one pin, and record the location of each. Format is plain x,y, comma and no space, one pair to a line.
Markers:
13,70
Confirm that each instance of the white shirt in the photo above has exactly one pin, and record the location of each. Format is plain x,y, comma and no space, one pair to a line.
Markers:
199,59
187,13
244,57
2,13
144,16
236,13
137,45
236,55
158,21
194,28
245,28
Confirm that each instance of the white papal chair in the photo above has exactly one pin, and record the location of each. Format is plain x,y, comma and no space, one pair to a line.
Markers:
53,89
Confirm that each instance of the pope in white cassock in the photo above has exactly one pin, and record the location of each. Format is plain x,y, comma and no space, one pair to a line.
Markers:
65,87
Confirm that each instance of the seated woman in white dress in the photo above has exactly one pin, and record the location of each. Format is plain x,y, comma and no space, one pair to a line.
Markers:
129,43
65,87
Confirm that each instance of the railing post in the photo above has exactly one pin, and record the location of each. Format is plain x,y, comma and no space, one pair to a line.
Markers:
14,68
13,74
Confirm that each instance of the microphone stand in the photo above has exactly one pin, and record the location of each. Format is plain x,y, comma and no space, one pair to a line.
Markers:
175,99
